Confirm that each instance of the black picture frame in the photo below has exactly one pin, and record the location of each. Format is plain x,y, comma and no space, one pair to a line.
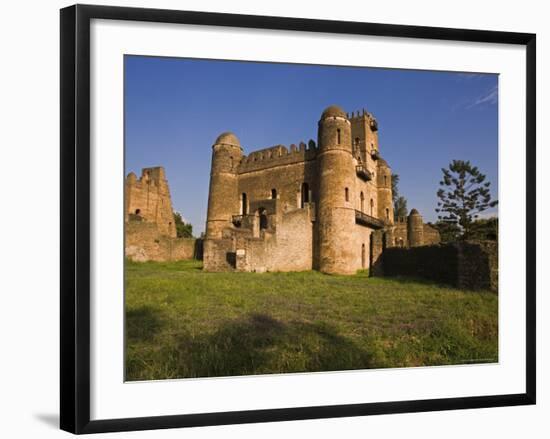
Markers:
75,217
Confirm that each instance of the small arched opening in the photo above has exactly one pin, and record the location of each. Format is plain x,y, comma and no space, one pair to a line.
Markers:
363,256
387,214
138,211
346,194
338,136
273,194
362,197
371,207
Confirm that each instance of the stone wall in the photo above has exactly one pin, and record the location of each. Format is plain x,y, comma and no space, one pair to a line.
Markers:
468,265
251,249
143,242
376,266
219,255
431,235
478,265
278,155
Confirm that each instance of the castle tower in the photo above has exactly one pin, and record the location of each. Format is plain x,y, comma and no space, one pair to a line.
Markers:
383,183
336,214
364,135
149,198
223,198
415,229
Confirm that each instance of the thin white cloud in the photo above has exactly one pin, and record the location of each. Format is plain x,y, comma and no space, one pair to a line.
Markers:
489,98
469,75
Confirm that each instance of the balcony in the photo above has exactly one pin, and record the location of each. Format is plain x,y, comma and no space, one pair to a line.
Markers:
375,154
363,173
367,220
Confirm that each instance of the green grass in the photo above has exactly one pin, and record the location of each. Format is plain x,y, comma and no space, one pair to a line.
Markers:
183,322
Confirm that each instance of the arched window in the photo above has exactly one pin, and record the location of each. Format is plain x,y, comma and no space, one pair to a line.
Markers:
346,192
387,213
231,162
385,180
363,256
371,207
273,194
244,204
362,201
138,211
338,136
304,195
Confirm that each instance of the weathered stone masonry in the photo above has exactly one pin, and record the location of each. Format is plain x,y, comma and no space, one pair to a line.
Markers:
150,231
307,207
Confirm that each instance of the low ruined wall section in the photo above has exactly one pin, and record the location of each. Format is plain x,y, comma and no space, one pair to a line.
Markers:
145,243
468,265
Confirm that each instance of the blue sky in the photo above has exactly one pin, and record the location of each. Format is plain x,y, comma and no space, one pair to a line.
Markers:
175,108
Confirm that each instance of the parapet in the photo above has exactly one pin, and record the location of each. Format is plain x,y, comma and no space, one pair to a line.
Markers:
278,155
363,116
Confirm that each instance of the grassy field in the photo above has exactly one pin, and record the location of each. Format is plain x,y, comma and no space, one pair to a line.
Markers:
182,322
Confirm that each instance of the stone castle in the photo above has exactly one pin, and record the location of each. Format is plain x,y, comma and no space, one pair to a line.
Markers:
325,206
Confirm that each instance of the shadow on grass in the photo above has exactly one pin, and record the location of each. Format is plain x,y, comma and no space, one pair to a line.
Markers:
142,324
256,344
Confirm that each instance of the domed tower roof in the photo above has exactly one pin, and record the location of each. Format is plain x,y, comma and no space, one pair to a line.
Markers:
414,212
382,163
333,111
228,138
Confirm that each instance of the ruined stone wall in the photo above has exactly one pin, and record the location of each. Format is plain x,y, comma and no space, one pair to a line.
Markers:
478,265
400,233
431,235
219,255
377,246
149,198
143,242
289,249
468,265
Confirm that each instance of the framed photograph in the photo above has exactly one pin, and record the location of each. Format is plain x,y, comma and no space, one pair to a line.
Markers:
268,219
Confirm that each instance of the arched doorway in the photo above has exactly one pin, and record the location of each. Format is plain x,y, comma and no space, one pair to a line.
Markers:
263,218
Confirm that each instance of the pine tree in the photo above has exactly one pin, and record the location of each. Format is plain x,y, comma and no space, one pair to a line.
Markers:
463,195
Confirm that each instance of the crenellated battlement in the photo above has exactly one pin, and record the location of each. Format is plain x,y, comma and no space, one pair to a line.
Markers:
294,208
363,116
278,155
